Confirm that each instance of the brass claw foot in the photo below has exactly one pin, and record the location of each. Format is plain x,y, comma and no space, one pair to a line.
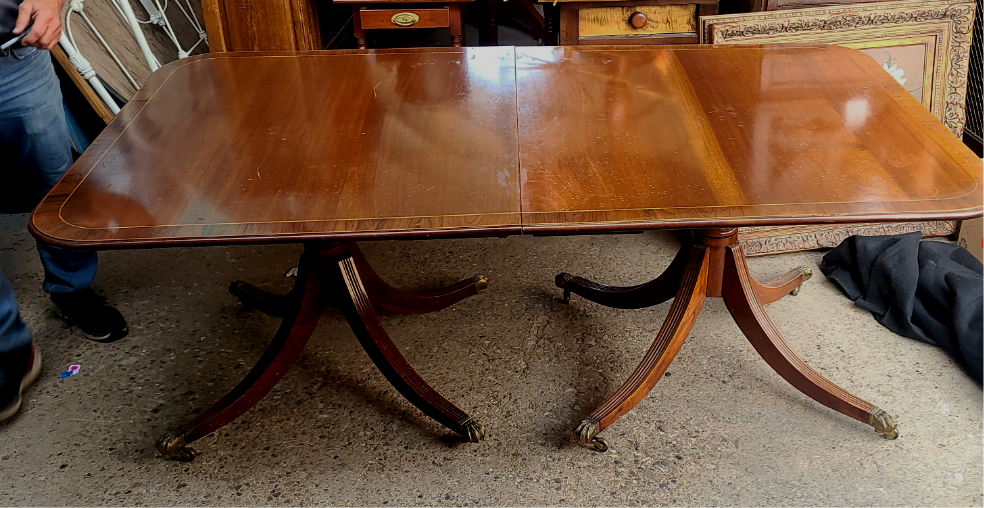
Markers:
472,431
172,446
561,281
481,283
883,423
807,274
587,433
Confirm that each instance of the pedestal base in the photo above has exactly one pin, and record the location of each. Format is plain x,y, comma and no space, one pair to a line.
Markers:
339,276
712,265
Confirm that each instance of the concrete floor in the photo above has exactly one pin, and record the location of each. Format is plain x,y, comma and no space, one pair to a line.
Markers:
720,429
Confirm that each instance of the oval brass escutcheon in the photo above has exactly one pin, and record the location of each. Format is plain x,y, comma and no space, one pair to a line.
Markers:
405,19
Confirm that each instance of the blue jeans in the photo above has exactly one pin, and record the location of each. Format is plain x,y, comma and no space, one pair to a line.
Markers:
33,126
13,333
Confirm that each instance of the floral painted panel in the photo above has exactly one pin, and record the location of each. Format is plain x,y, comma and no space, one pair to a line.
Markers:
907,64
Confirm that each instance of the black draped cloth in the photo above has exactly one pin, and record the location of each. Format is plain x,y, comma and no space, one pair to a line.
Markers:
928,291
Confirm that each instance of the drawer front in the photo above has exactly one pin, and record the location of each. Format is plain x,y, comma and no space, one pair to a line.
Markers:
651,20
404,18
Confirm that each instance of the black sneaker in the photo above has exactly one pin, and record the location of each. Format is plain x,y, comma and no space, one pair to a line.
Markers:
90,312
18,369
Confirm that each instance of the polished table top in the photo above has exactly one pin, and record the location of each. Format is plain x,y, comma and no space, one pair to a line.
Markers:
492,141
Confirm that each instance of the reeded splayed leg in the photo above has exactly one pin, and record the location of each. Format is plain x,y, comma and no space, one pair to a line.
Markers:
358,309
253,297
683,313
651,293
303,309
739,294
786,284
405,302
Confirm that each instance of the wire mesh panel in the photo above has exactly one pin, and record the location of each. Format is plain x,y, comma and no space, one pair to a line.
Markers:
975,110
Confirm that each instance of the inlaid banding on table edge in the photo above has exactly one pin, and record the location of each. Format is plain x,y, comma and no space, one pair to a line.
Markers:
139,144
652,220
163,236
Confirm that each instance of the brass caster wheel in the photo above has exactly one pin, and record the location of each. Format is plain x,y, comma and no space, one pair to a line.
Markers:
883,423
587,433
472,431
172,446
807,274
600,444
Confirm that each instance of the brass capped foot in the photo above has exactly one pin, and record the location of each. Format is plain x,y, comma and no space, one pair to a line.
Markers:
172,446
807,275
561,281
587,433
472,431
883,423
481,283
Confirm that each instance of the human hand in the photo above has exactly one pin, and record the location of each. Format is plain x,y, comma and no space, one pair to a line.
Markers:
47,25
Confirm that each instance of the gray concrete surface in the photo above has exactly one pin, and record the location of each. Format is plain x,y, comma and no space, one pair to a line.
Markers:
721,429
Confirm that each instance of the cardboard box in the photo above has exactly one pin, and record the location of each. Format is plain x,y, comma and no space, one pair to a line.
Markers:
972,237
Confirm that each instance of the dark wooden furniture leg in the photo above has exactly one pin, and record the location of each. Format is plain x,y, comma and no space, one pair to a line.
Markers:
331,276
253,297
713,266
488,34
404,302
295,330
551,24
362,318
360,34
654,292
457,28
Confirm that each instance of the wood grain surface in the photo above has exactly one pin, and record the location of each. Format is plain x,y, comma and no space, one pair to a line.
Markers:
285,147
495,141
659,19
763,135
262,25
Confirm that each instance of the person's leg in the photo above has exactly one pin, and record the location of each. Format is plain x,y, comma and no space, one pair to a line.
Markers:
32,123
20,364
13,332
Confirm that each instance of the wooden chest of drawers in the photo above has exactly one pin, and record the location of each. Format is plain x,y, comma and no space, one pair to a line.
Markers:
402,14
572,22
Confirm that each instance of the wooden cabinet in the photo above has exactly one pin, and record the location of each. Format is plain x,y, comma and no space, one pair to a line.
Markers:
261,25
399,14
571,23
775,5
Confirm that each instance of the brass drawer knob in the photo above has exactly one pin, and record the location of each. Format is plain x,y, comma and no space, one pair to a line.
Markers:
637,19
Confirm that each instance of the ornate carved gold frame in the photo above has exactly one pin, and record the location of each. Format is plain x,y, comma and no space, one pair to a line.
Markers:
946,26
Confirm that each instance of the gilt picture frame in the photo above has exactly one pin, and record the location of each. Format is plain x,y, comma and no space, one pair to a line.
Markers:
925,46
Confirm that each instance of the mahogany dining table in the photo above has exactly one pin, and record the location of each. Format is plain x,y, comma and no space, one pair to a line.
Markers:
331,148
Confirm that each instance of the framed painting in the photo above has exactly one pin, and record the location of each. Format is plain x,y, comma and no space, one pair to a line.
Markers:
925,46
